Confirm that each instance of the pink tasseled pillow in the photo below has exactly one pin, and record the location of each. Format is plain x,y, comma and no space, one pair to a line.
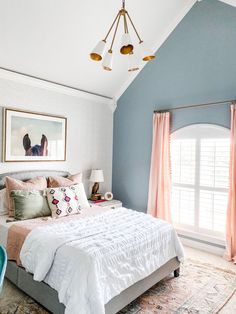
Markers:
56,182
38,183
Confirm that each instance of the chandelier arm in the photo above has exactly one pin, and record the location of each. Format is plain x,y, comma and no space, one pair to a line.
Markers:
140,40
126,24
108,33
114,36
125,30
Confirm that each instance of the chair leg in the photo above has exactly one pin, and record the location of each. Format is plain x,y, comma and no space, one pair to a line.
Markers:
177,272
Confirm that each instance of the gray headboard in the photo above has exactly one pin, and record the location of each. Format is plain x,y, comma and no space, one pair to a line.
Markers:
27,175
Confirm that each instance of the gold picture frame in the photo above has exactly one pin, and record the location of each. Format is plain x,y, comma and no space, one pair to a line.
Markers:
30,136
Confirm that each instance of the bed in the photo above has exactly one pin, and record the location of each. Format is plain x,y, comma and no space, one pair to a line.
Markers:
44,294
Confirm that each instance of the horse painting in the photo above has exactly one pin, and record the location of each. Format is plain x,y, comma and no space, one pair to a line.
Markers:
36,150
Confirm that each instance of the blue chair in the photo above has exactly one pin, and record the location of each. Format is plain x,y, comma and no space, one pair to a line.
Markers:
3,265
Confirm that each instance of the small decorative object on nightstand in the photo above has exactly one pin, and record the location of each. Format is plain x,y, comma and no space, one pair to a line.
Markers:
96,177
107,204
108,196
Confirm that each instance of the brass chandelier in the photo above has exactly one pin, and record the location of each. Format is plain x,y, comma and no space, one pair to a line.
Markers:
127,47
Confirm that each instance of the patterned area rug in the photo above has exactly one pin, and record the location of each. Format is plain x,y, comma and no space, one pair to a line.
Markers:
200,289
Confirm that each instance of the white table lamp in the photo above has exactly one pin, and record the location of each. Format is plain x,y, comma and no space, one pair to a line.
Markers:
96,177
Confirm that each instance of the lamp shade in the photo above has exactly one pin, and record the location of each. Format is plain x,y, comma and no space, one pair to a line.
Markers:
96,175
133,62
146,52
107,62
98,51
126,44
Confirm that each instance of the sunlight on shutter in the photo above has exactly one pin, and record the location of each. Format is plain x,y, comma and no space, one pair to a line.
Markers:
212,215
183,205
214,173
214,165
183,161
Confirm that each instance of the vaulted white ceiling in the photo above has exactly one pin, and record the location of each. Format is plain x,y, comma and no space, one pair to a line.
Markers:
52,39
231,2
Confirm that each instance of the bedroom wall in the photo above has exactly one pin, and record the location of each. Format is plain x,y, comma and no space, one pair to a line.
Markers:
90,128
196,64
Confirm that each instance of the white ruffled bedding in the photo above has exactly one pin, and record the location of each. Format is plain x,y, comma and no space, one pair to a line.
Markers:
91,260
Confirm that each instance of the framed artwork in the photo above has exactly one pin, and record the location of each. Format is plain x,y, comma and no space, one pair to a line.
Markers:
32,136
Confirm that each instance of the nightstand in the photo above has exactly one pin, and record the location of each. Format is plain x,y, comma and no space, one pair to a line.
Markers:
107,204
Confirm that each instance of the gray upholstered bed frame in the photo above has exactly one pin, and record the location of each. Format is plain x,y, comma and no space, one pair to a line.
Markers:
48,297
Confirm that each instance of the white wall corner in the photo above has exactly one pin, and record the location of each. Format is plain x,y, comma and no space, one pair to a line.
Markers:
158,44
55,87
113,105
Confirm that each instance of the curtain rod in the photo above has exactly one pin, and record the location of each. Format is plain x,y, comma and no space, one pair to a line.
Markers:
196,105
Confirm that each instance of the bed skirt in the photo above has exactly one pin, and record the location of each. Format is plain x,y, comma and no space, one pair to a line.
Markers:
48,297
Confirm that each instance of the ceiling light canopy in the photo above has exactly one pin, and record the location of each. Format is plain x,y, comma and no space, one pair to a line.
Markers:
127,47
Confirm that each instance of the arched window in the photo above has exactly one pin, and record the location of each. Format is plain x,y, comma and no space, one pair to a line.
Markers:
200,178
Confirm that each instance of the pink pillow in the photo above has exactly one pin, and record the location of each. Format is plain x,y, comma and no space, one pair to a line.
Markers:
38,183
56,182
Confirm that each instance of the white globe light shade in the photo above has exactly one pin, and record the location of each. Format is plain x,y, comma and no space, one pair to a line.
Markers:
107,62
133,62
126,44
98,51
146,53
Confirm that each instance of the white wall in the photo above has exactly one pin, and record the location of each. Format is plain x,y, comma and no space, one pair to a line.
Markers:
90,128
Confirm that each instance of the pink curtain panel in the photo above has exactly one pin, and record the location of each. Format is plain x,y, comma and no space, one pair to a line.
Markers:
231,211
160,179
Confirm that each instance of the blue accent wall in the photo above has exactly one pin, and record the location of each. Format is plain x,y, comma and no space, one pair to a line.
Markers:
196,64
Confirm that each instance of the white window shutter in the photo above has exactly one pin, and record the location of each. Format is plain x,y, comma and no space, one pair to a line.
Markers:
200,178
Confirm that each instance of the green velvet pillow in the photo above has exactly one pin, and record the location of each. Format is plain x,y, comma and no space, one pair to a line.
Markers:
30,204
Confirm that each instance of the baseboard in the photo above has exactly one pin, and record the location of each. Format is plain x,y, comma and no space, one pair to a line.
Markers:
203,246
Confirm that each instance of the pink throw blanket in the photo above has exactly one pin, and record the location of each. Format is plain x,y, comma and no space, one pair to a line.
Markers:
19,230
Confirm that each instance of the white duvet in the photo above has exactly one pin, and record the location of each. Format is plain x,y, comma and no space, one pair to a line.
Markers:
91,260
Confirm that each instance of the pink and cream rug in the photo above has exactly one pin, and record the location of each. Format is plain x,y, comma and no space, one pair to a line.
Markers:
200,289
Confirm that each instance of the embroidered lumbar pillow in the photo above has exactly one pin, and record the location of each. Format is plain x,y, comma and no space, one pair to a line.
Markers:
63,201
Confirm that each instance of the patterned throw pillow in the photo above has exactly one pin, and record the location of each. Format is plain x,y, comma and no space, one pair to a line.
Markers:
63,201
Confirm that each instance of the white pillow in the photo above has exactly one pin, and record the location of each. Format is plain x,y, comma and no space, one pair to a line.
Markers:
82,195
3,202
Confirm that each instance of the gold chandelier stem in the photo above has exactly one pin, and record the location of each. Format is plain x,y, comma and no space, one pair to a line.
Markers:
140,40
118,14
125,23
114,36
